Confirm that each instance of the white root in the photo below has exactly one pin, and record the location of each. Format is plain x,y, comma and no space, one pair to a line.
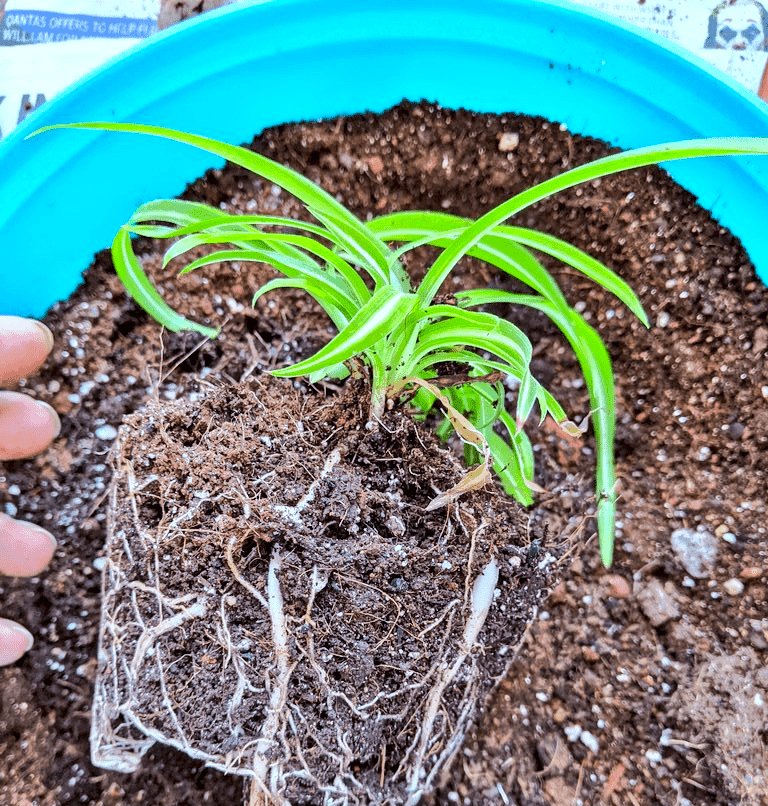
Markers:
265,767
482,597
294,513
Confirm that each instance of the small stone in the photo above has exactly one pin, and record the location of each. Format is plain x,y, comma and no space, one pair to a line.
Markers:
589,741
573,732
619,587
657,604
376,164
99,563
696,550
733,587
509,141
751,572
106,432
760,339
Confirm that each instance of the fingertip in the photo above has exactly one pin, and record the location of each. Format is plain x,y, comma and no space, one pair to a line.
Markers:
25,548
27,426
15,641
24,346
47,335
54,421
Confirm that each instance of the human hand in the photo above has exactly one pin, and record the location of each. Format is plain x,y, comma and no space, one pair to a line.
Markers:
27,426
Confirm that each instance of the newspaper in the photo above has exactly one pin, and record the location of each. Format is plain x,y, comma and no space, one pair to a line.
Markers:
732,35
46,45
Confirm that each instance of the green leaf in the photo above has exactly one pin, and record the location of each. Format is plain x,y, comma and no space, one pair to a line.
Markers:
579,260
138,285
332,302
497,249
180,212
281,246
319,203
199,216
486,332
637,158
384,312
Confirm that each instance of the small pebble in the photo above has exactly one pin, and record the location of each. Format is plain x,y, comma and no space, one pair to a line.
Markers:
509,141
733,587
696,550
106,432
573,732
751,572
657,604
619,587
99,563
589,741
376,164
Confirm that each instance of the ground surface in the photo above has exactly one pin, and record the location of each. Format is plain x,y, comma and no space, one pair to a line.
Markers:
642,685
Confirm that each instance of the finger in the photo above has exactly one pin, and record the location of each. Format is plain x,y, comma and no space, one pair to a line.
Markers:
27,426
14,641
24,345
25,549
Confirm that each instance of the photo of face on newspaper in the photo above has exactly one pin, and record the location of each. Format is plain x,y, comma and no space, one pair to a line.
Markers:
738,25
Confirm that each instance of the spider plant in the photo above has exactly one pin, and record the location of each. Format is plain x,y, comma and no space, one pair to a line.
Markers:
412,344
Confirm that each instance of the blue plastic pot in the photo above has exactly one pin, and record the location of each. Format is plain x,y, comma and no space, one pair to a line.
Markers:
230,73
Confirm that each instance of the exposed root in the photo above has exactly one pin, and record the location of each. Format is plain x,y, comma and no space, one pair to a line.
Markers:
315,661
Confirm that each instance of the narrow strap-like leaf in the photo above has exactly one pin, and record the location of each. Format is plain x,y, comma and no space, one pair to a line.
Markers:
138,285
333,303
385,311
321,204
615,163
579,260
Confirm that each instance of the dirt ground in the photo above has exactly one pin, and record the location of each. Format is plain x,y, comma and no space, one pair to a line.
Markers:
645,684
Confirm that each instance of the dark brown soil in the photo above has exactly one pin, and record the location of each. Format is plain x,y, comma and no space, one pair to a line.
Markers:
632,683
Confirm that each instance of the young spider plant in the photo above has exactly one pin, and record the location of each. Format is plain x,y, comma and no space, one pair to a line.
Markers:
453,354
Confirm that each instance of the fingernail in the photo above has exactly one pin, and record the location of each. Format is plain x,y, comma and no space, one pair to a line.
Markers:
33,527
47,333
53,414
15,640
